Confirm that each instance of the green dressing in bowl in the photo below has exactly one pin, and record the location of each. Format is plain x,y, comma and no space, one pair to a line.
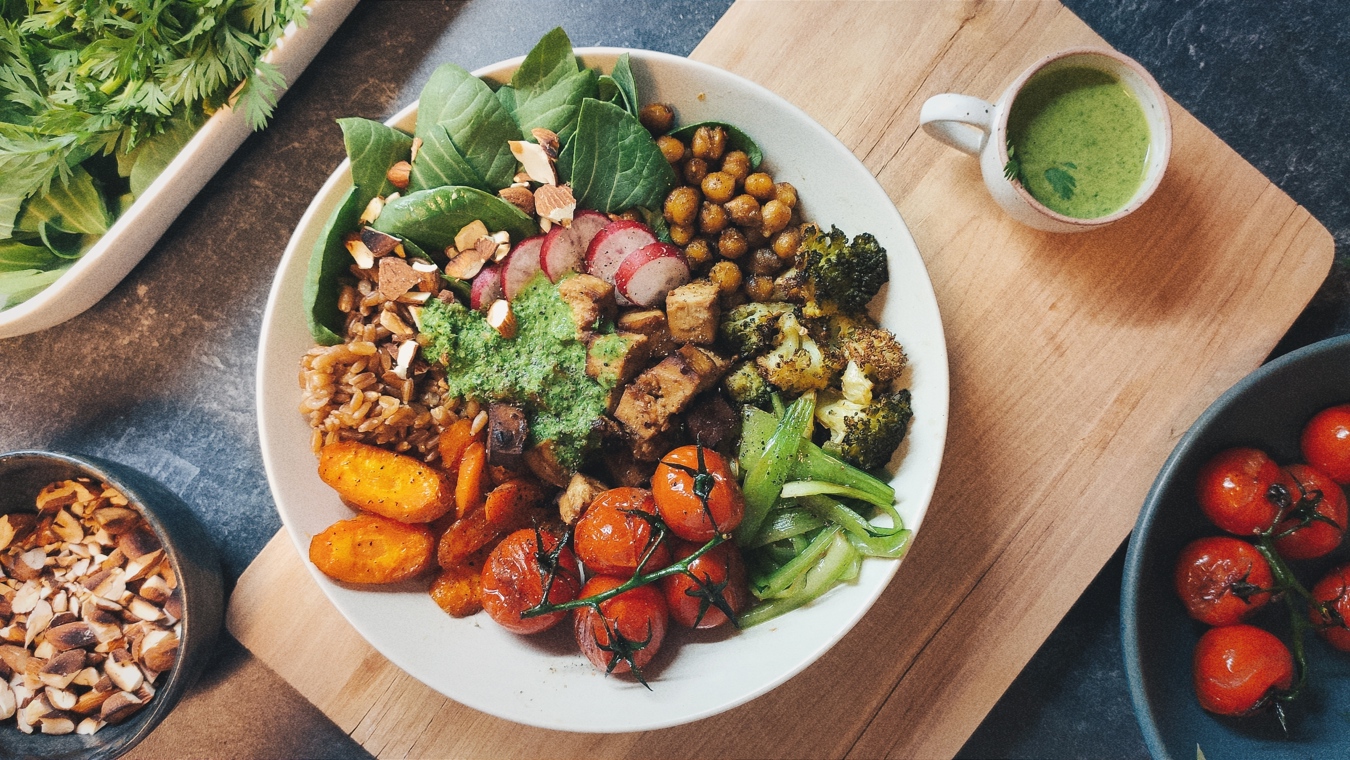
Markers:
1078,141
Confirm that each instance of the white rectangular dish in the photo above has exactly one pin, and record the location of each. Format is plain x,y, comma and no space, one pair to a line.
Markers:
135,232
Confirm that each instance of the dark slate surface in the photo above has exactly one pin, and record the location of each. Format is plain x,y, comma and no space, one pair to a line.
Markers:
159,375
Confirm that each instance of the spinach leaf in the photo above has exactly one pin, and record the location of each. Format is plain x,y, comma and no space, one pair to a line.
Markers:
74,205
622,76
430,218
553,109
736,139
439,163
153,155
477,122
613,162
17,287
327,262
548,63
373,148
16,256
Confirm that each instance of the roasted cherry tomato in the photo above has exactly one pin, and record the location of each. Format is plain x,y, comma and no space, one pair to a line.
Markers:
721,579
1316,523
627,631
516,572
1326,442
1222,580
696,494
1238,669
612,536
1233,489
1330,608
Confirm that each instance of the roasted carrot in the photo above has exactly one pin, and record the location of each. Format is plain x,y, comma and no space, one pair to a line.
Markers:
372,549
396,486
456,590
469,485
508,505
454,441
469,534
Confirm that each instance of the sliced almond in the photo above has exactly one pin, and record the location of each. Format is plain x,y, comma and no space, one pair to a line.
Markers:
555,203
117,519
8,702
60,698
67,526
468,264
502,319
407,351
469,234
89,726
141,566
365,259
138,543
548,140
120,706
372,210
520,197
123,671
155,589
534,160
59,725
38,620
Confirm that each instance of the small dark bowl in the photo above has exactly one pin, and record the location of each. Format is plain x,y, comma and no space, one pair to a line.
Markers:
195,561
1267,410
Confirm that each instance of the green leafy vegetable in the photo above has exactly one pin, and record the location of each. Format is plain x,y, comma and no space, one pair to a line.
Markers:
1061,181
547,90
549,62
736,139
373,148
613,162
328,262
153,155
431,218
439,163
624,88
477,123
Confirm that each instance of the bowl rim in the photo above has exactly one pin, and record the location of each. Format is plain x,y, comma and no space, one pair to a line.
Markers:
937,365
1134,554
187,666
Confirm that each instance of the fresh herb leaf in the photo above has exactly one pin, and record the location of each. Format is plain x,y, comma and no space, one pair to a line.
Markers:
17,287
736,139
16,256
327,263
1061,181
439,163
258,95
372,148
1012,171
74,205
475,119
431,218
151,157
613,162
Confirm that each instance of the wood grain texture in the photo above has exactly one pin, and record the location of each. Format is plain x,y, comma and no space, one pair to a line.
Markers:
1076,361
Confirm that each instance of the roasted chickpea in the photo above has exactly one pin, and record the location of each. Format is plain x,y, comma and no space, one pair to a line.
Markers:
657,118
681,234
726,276
732,300
775,215
759,287
786,243
695,169
631,215
731,243
765,261
760,185
682,205
737,164
718,187
755,238
712,218
671,148
698,252
709,143
744,210
786,194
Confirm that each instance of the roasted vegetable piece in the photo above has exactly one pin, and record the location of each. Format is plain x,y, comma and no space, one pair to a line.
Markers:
797,363
842,274
864,430
470,481
519,571
873,349
454,441
752,329
509,504
746,385
389,484
457,589
370,549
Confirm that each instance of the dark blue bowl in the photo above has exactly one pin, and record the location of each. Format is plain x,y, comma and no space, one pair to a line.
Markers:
195,562
1268,410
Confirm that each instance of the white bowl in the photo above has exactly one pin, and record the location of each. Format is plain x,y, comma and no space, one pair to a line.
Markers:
135,232
545,682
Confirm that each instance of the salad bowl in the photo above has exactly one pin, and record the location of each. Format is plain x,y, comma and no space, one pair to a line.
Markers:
543,681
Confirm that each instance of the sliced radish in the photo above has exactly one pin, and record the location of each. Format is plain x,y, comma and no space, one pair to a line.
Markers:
560,253
487,287
650,272
585,225
613,244
520,266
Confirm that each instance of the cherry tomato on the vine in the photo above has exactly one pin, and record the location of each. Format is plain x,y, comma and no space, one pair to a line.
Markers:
1222,580
1233,488
1326,442
1316,523
1239,668
611,539
1330,608
696,494
514,579
627,631
723,576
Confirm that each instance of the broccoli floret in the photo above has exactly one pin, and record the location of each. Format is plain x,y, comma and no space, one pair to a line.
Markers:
746,386
873,349
844,274
797,363
752,328
865,434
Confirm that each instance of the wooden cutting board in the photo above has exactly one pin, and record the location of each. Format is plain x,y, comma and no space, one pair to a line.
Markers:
1077,362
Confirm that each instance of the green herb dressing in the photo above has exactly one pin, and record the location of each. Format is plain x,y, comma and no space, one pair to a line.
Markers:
543,369
1081,140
